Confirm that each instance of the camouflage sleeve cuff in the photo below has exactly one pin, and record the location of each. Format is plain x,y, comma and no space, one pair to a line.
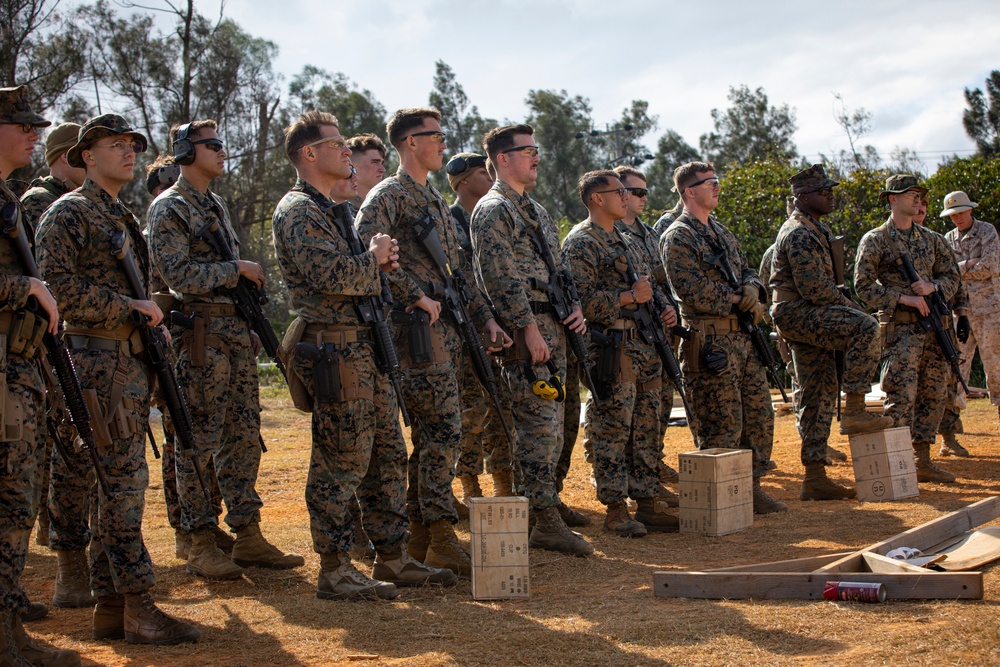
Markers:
119,311
231,274
16,289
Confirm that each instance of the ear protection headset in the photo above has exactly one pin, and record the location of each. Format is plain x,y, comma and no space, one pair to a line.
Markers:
549,390
183,147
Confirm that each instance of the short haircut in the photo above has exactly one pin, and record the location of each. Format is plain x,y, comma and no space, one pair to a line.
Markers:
592,181
367,142
687,173
500,139
404,120
196,127
623,170
306,130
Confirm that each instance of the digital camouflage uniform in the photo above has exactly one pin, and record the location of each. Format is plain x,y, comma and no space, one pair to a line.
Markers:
357,445
731,409
817,319
951,421
623,429
664,221
506,260
432,391
221,389
915,375
75,258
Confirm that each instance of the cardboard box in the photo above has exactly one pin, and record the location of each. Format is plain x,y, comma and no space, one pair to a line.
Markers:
716,491
884,468
499,529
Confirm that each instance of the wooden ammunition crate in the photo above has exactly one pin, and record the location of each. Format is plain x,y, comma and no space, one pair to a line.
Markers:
716,491
499,529
883,465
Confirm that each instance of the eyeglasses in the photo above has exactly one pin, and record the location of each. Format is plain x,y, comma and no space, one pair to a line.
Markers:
27,128
527,151
460,165
619,191
638,192
122,147
437,135
712,181
337,142
214,145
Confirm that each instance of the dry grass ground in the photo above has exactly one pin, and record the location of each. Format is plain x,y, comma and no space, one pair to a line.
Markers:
594,611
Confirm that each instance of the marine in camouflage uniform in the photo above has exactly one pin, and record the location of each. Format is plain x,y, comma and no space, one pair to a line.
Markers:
915,374
951,420
818,320
510,270
732,405
75,256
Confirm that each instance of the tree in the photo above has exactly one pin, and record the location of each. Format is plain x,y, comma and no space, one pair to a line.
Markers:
357,110
671,152
982,119
750,130
855,124
463,124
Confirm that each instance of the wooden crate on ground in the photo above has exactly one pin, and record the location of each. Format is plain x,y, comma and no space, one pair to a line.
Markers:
716,491
884,468
499,530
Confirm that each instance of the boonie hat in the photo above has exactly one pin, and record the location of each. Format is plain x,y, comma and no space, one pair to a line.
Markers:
897,184
108,125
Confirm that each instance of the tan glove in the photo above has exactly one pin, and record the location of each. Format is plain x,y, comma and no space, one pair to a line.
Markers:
759,310
748,299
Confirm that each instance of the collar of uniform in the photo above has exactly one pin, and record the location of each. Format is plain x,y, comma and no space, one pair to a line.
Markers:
52,184
308,189
427,190
638,227
114,206
205,200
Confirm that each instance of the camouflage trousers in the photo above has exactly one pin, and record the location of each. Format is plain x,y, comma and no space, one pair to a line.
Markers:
623,430
915,378
733,409
20,462
357,448
571,422
986,336
950,420
538,422
70,487
222,396
814,334
119,561
483,438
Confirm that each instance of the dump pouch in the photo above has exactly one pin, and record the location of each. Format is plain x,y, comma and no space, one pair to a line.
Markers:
301,398
99,425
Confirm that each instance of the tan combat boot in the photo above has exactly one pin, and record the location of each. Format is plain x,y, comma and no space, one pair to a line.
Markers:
37,655
571,517
182,544
145,623
617,520
856,419
951,447
207,560
399,568
835,455
420,537
667,497
654,520
223,539
667,474
926,470
109,617
363,549
36,611
445,551
461,509
73,580
550,532
340,580
763,503
252,550
470,487
817,486
503,484
9,655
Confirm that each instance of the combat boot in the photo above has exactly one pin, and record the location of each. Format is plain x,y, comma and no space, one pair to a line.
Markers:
653,519
835,455
667,474
252,550
503,484
38,655
145,623
817,486
551,533
399,568
420,537
182,544
340,580
926,470
461,509
444,550
951,447
36,611
617,520
73,580
109,617
470,488
363,548
9,655
42,534
763,503
207,560
856,419
667,497
571,517
223,539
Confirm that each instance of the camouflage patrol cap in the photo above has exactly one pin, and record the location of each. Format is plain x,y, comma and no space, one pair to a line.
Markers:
810,180
109,124
15,109
461,166
897,184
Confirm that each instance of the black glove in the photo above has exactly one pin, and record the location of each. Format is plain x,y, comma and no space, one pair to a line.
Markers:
963,329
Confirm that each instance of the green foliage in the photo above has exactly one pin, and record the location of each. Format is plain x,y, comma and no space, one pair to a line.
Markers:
750,130
982,119
357,110
671,152
977,176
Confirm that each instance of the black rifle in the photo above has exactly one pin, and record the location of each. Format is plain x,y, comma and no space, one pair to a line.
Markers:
157,354
457,296
651,330
56,351
932,321
757,337
247,297
371,309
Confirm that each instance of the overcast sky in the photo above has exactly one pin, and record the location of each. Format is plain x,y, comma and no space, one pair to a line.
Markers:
905,62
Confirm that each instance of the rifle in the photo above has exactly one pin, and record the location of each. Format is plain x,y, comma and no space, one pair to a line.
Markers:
56,351
932,321
837,258
757,337
157,354
651,331
457,296
370,309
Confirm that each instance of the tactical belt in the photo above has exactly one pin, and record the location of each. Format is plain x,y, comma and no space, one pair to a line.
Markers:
781,295
900,316
205,309
124,339
649,385
24,331
340,336
627,327
711,326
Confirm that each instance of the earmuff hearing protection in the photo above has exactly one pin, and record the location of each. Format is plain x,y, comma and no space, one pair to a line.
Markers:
183,147
549,390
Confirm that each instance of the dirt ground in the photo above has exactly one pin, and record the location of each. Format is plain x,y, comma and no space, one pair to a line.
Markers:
594,611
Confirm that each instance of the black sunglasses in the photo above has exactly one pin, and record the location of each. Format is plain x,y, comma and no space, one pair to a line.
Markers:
638,192
459,165
214,145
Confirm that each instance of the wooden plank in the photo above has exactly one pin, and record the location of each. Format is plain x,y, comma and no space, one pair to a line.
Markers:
809,585
885,565
793,565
